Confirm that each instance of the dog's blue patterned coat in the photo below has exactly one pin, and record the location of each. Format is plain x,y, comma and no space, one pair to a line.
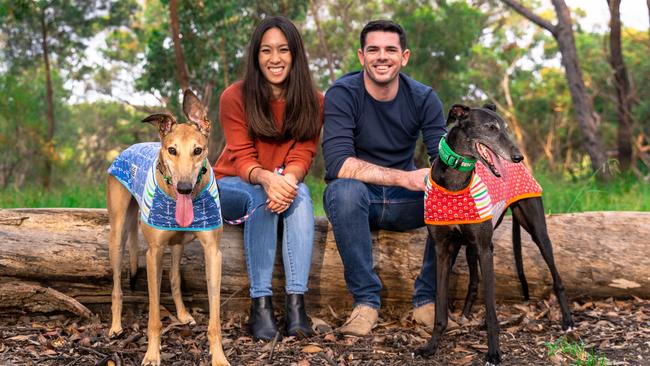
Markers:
135,168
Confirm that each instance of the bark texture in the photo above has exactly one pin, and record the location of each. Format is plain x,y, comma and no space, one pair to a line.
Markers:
179,57
622,87
598,254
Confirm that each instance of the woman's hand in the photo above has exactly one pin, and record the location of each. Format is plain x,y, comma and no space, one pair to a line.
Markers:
280,190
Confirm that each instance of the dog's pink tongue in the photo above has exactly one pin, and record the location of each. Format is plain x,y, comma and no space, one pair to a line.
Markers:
184,210
496,160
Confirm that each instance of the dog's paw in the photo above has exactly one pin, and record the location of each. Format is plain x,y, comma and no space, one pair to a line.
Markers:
493,359
115,331
186,318
151,359
425,352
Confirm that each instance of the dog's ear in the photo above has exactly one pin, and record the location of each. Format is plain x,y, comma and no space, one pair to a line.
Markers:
457,113
163,121
490,106
195,112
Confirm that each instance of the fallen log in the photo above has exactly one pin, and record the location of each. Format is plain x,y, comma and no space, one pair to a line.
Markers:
599,254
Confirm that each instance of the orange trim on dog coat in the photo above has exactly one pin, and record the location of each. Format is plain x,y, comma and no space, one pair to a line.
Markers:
486,197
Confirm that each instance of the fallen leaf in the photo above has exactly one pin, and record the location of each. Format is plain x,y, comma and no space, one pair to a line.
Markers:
311,348
19,338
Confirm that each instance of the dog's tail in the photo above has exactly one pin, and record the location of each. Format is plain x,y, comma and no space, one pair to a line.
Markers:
519,263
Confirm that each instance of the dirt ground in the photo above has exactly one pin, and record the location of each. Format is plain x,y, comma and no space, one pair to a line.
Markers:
617,330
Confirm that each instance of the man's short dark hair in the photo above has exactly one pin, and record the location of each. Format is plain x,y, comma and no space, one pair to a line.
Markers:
383,26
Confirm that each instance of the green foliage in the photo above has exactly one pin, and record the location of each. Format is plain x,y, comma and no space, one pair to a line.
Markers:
22,128
440,38
575,352
467,53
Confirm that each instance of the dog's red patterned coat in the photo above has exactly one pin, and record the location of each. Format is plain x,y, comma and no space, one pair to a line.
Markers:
486,197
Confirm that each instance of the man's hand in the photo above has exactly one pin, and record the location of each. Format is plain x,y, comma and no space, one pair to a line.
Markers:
414,180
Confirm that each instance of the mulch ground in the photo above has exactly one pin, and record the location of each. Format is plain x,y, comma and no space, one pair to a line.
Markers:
618,330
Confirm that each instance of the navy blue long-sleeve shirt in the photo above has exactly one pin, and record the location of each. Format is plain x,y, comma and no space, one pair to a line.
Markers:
378,132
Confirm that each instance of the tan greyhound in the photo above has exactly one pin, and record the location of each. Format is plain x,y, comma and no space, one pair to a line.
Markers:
173,188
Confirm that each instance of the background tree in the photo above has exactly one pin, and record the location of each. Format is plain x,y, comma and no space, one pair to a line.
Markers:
621,85
582,103
54,33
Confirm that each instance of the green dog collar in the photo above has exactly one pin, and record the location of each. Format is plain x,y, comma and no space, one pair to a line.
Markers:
455,161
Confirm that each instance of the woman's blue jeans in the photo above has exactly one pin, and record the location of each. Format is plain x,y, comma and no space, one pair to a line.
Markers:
355,208
260,234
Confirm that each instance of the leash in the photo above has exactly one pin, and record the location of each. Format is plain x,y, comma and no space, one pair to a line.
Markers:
279,170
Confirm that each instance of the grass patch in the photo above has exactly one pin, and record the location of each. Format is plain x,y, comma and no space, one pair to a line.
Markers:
574,352
316,190
623,193
561,195
89,196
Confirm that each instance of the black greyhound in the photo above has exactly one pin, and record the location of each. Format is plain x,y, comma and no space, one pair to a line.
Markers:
480,134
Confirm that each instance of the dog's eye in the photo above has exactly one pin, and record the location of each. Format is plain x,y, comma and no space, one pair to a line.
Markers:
171,151
494,128
198,151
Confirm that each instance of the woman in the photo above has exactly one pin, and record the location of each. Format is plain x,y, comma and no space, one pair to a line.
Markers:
271,121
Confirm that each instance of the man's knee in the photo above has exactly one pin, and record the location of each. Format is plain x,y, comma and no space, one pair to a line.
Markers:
346,197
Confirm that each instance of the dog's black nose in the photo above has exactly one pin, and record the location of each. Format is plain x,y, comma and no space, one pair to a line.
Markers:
184,187
517,158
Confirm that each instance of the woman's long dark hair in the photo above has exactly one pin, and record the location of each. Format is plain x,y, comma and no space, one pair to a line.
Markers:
302,114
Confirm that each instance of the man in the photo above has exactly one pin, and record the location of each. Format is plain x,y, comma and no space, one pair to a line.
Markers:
372,121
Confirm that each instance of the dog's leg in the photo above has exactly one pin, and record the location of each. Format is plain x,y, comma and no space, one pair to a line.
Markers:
121,211
444,250
484,246
472,288
175,280
134,248
210,242
156,240
519,262
530,213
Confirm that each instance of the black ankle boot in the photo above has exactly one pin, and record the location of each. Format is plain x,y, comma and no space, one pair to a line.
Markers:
261,323
297,321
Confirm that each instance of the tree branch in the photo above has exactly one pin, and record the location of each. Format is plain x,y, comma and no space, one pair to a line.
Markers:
528,14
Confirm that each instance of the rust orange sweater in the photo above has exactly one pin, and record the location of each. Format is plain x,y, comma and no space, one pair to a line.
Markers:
242,153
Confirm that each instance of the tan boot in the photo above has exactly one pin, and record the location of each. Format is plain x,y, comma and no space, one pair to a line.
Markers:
360,322
424,315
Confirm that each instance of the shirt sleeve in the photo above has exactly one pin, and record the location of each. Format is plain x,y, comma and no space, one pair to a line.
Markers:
235,129
338,130
434,125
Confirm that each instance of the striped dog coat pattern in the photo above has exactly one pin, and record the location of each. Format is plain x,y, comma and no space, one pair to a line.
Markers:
135,168
485,198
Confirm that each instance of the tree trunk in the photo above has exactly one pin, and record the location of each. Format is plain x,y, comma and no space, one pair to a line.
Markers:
622,86
323,42
181,67
49,98
582,103
598,254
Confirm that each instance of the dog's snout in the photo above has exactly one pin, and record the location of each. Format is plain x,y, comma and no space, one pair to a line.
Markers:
517,158
184,187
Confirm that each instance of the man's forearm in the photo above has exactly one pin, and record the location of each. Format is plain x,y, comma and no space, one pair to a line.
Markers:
354,168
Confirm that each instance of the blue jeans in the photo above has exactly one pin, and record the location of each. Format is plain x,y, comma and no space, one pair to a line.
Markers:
355,208
261,231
